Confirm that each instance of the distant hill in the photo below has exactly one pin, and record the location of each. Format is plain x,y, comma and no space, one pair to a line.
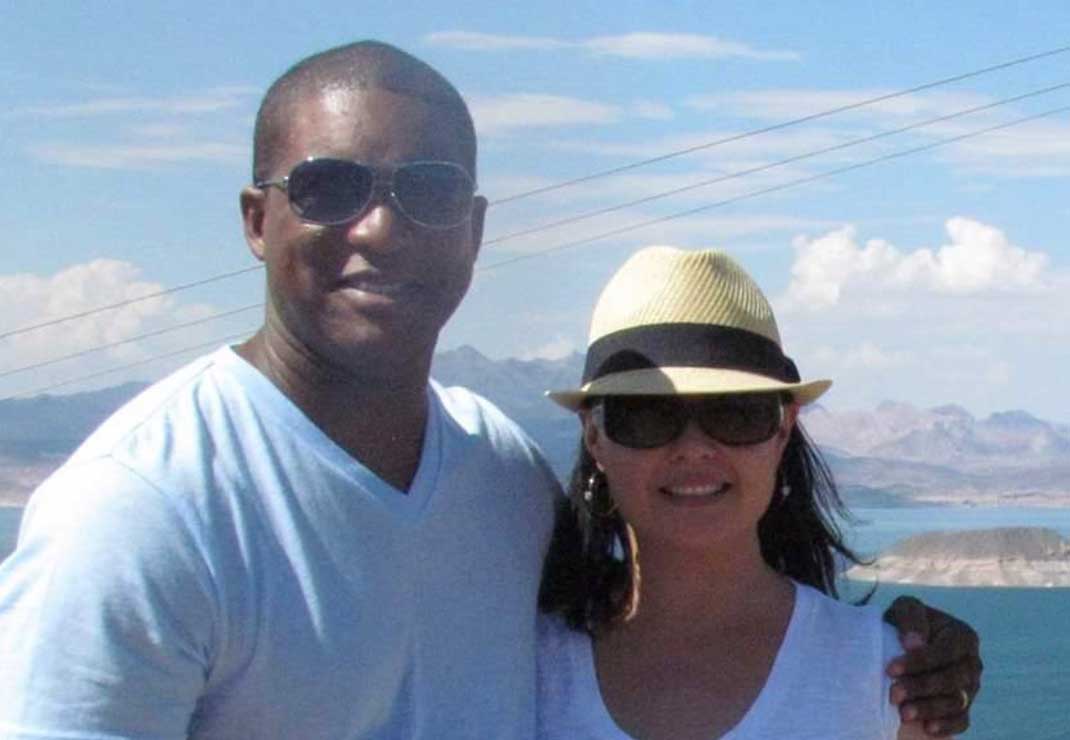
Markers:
893,455
1006,556
945,435
54,425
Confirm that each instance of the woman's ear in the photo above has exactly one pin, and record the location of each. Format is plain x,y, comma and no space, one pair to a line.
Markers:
592,435
791,415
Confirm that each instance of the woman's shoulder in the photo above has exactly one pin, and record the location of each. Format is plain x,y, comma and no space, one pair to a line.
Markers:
827,614
832,660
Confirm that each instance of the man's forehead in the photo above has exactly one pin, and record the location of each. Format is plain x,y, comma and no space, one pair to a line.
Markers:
376,113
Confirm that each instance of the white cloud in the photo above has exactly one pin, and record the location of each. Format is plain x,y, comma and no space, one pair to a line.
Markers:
28,299
788,103
1038,148
867,354
642,45
128,132
1032,150
211,101
977,321
138,156
472,41
652,110
679,46
556,349
978,259
495,115
158,130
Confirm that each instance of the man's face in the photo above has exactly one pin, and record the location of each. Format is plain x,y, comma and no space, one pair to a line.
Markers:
371,293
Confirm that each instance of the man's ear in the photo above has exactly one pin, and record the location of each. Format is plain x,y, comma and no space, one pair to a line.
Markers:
252,215
476,223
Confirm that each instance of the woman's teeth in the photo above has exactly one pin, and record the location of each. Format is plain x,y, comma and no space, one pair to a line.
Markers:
710,490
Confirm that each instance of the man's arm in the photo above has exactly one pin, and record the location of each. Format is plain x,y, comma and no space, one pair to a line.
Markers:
938,677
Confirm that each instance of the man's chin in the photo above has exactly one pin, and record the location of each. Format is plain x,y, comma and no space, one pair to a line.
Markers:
373,346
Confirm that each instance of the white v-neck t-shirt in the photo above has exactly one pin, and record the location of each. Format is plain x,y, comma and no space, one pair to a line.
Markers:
210,564
827,681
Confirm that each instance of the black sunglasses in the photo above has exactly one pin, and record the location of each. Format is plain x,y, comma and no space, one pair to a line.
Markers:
333,191
645,422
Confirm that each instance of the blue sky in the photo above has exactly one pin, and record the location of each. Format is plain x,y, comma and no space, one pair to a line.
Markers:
938,277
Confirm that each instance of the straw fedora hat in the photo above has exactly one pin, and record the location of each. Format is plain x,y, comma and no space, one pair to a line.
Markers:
676,322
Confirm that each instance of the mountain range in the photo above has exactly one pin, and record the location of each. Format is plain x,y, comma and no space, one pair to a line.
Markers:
895,454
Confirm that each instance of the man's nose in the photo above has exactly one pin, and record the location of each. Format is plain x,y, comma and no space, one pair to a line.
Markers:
380,228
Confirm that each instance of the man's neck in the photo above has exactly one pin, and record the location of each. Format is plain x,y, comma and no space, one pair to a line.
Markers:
378,418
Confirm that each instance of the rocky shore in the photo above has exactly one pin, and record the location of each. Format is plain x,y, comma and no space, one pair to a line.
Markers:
1034,557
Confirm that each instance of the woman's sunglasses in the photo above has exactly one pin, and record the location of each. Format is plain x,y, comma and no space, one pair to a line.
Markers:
328,191
645,422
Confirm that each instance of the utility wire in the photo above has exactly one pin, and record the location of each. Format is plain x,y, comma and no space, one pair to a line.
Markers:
773,189
765,167
633,227
602,235
138,338
109,371
596,175
779,126
127,302
657,196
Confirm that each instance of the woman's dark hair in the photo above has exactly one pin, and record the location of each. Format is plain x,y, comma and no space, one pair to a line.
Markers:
587,576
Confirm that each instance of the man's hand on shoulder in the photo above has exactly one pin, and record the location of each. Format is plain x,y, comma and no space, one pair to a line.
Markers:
938,677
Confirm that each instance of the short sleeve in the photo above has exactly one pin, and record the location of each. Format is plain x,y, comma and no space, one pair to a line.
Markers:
106,612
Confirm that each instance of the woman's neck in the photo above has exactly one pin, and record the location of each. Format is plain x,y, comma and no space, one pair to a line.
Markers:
688,589
701,645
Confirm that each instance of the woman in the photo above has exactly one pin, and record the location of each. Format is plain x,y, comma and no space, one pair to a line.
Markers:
690,589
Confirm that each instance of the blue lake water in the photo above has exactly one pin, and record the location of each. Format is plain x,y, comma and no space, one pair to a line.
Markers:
1025,632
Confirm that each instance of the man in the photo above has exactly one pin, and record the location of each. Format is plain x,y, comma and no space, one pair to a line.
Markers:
303,537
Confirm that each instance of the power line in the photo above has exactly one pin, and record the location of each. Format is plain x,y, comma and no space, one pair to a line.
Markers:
769,166
129,340
593,176
643,224
127,302
155,358
778,126
607,234
773,189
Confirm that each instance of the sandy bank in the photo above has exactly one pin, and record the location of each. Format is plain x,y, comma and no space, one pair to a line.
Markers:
1002,557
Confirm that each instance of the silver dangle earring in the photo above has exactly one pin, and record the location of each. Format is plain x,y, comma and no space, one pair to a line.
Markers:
588,490
591,497
785,491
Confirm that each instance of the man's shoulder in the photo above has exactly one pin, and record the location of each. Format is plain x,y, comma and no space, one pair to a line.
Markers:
472,411
167,448
480,420
179,404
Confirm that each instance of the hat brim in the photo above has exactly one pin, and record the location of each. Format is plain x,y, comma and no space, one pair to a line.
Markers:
671,381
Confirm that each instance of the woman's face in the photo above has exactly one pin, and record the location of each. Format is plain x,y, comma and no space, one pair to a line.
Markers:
692,491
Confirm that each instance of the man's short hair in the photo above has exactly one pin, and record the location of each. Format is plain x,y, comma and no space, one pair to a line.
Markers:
358,66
